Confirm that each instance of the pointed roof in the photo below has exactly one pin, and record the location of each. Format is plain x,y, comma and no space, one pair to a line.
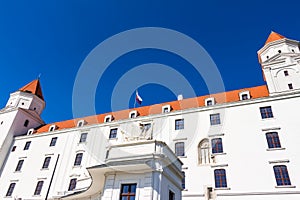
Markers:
33,87
273,37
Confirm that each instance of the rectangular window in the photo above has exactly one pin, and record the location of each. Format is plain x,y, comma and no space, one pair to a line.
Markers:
78,159
83,137
183,181
179,124
290,86
10,189
53,142
171,195
273,140
286,73
281,175
220,178
72,184
179,149
266,112
113,133
19,165
46,163
215,119
27,145
128,191
38,188
217,146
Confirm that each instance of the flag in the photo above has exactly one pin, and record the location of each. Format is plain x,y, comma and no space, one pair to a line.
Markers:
138,98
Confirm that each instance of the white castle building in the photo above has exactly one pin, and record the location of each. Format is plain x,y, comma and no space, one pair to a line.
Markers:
241,144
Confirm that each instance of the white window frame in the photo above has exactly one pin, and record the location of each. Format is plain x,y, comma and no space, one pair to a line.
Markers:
241,94
133,112
212,99
168,107
52,128
82,122
109,117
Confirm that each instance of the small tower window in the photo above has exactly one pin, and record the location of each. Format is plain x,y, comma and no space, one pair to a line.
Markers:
290,86
293,50
26,122
279,51
286,73
267,57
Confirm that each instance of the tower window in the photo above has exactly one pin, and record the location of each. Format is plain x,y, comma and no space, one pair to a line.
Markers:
293,50
266,112
19,165
179,124
27,145
113,133
53,142
13,149
217,146
286,73
78,159
72,184
83,137
38,188
281,175
220,178
267,57
171,195
279,51
273,140
215,119
290,85
128,191
46,163
179,149
10,189
26,122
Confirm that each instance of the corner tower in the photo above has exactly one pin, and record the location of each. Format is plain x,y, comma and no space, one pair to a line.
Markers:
21,113
280,62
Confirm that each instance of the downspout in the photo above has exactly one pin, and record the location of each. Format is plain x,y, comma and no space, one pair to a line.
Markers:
52,177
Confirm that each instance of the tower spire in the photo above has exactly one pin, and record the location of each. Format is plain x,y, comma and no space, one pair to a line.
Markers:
33,87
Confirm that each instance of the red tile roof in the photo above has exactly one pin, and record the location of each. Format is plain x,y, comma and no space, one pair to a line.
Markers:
33,87
273,37
225,97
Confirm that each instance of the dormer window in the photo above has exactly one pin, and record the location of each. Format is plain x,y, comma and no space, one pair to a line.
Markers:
244,95
108,118
166,109
52,128
210,101
133,114
30,131
81,123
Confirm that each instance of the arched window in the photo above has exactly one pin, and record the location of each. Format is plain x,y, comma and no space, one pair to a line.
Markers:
203,152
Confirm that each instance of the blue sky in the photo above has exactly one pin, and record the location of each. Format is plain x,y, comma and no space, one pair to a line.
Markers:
54,37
